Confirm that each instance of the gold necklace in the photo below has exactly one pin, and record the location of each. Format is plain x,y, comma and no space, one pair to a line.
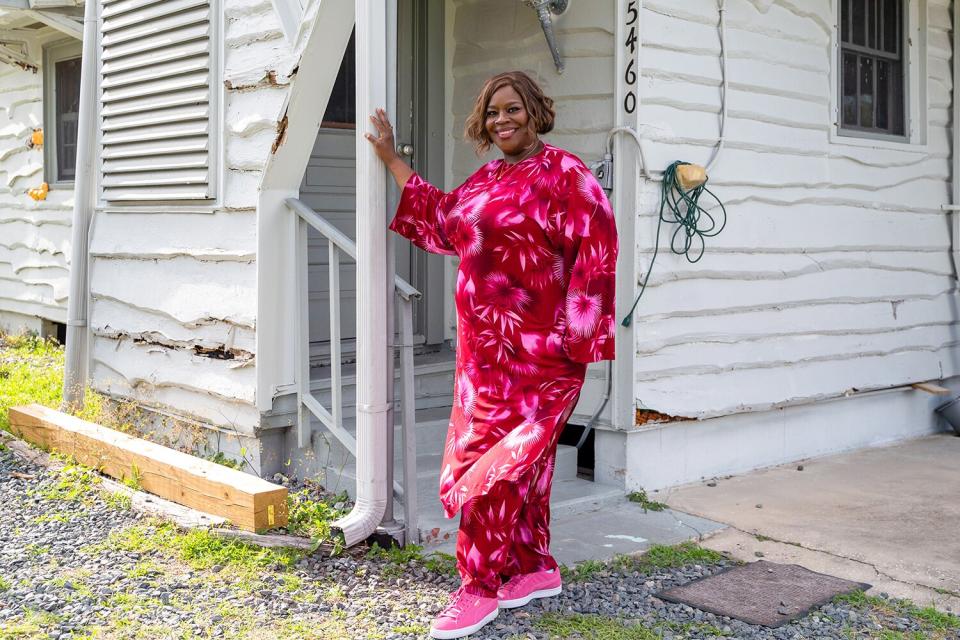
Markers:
534,150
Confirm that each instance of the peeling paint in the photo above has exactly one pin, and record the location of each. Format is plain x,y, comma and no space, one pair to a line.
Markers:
647,416
158,343
269,80
281,134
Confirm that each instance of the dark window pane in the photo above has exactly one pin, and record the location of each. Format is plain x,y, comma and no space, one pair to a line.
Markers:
858,17
871,21
897,113
845,20
849,89
866,92
883,94
67,87
891,26
342,108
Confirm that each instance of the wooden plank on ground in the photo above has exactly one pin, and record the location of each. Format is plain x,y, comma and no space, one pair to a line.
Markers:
248,502
929,387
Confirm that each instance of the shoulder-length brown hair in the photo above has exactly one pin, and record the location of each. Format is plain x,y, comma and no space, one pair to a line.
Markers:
538,106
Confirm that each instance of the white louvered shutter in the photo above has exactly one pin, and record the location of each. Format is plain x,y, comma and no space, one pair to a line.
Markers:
157,100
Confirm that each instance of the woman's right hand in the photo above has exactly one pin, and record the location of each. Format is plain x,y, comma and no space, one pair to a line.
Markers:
383,143
385,147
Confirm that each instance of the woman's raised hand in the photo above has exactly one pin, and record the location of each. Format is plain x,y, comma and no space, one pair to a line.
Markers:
385,147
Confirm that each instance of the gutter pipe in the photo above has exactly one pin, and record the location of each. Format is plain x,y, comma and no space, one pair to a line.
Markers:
77,347
373,371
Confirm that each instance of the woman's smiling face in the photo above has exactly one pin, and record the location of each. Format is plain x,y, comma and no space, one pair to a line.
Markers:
508,122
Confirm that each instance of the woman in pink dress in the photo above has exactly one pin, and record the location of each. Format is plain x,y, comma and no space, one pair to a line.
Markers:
537,244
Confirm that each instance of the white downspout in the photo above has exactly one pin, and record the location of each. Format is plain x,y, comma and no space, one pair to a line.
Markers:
77,350
372,345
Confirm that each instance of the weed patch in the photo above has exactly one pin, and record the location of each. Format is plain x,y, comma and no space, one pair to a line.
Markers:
641,498
198,548
593,627
397,558
934,624
310,514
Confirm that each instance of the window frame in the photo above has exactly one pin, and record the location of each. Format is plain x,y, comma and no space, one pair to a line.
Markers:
54,52
915,85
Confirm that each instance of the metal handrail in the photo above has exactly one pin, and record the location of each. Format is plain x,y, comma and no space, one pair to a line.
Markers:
343,242
307,405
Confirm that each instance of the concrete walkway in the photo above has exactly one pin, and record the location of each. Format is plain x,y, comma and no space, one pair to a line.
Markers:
623,528
887,516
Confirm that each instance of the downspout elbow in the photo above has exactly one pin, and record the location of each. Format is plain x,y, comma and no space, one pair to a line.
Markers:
372,481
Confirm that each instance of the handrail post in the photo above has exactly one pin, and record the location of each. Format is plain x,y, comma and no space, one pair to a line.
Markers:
409,417
302,315
336,388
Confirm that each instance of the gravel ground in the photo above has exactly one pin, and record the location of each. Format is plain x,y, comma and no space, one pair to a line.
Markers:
62,575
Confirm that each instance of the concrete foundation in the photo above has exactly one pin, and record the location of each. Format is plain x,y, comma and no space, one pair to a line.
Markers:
682,452
15,323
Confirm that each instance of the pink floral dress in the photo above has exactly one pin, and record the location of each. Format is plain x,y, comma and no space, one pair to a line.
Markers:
537,244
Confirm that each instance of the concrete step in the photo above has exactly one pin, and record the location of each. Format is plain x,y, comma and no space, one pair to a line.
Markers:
570,495
569,499
433,383
339,478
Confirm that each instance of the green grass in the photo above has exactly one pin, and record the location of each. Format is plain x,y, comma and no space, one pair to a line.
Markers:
934,624
4,584
592,627
75,483
641,498
656,557
198,548
32,625
31,370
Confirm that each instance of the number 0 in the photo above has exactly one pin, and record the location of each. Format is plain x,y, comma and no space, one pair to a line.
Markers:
630,102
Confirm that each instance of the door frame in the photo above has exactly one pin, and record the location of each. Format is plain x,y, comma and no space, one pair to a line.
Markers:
420,123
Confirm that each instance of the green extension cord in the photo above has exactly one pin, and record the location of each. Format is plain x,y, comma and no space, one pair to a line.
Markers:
694,224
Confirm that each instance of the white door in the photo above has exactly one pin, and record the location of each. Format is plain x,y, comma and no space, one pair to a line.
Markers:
329,188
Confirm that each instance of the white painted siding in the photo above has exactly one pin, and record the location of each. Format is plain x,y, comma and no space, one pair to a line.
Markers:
833,274
34,236
175,292
486,37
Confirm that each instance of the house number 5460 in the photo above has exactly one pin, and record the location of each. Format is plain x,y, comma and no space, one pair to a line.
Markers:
630,73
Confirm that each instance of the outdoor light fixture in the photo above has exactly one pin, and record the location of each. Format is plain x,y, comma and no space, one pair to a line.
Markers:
544,8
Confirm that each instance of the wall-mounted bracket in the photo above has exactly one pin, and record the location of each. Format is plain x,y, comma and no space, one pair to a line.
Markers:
544,9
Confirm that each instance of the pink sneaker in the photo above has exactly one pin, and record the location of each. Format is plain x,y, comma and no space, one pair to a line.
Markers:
521,589
465,614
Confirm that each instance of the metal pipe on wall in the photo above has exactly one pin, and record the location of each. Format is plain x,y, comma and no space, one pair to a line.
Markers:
372,283
77,347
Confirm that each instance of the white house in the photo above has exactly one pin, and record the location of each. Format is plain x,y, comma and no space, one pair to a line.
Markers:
222,129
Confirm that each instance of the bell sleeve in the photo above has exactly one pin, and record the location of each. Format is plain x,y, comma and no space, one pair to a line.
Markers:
589,238
422,213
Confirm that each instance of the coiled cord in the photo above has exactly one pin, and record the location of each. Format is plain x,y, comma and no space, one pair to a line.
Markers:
694,224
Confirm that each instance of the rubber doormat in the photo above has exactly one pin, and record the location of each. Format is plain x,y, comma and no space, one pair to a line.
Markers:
763,593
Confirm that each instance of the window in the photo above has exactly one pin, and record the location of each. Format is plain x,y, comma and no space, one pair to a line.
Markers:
872,68
61,83
341,110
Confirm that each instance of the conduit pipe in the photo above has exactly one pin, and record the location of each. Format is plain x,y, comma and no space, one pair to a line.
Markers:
372,343
954,208
77,348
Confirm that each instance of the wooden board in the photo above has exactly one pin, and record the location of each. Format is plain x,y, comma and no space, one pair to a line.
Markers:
929,387
245,500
